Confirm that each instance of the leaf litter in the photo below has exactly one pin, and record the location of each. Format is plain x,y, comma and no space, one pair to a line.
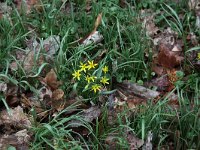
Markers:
168,57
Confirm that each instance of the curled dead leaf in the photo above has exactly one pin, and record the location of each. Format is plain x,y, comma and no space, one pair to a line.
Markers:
97,22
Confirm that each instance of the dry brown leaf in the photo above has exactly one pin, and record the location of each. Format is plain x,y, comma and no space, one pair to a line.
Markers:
57,94
5,12
94,36
162,83
30,62
44,92
91,113
57,99
20,140
192,4
193,38
173,100
112,141
87,115
97,22
176,48
147,19
135,101
122,3
132,89
3,87
12,95
167,58
51,80
15,117
158,70
59,105
27,5
133,141
51,45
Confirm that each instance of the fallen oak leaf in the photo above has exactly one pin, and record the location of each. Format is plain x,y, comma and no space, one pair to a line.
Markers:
51,80
57,99
57,94
167,58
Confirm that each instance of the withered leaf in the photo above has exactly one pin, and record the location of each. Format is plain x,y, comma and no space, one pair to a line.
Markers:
158,70
162,83
134,89
51,80
167,58
3,87
97,22
57,99
29,61
20,140
26,5
57,94
134,141
88,115
51,45
16,118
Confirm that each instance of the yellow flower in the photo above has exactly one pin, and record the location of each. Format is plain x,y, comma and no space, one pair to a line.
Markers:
198,56
91,65
76,74
105,69
96,88
90,78
93,78
104,80
83,67
87,78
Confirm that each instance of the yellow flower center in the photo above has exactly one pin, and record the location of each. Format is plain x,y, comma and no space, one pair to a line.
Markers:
105,69
83,67
96,88
76,74
104,80
91,65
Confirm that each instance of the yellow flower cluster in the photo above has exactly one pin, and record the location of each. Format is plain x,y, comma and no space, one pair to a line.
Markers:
85,69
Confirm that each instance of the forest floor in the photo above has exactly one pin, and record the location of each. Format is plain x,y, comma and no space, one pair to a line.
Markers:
110,74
